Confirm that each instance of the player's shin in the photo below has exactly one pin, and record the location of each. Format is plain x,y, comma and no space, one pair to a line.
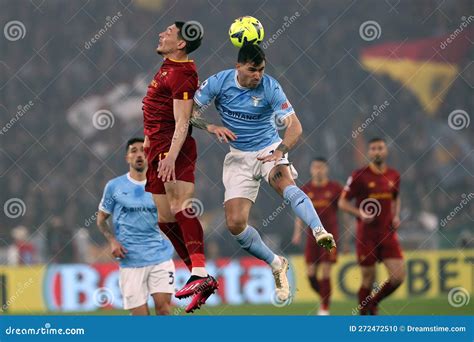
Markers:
302,207
193,236
252,242
174,234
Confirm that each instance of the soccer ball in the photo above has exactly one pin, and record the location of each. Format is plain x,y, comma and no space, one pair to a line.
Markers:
246,30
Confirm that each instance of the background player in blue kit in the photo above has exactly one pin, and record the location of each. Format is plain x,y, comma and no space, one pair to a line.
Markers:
252,106
146,267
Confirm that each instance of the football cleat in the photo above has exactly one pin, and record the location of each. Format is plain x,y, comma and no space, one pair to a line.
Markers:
194,284
201,297
282,286
324,239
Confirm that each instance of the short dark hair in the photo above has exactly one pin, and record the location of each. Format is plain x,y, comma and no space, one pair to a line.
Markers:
376,139
191,32
251,53
133,141
320,159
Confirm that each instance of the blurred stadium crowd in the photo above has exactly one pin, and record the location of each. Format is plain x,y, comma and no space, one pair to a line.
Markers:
57,163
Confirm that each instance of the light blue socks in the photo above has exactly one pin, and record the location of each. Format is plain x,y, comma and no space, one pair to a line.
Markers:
302,207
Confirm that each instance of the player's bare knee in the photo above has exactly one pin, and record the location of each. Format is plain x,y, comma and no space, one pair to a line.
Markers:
235,224
163,309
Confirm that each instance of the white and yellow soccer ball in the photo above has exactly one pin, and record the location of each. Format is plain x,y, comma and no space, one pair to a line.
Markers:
246,30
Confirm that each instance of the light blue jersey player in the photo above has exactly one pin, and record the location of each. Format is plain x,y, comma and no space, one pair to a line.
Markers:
253,107
146,267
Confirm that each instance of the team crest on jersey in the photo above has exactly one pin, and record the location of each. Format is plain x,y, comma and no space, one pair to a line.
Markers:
327,194
391,184
371,184
256,100
310,194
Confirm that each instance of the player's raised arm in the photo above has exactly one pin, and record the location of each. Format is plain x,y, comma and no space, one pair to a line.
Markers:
203,97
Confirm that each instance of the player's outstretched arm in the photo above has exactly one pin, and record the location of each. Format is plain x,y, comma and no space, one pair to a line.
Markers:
293,132
222,133
118,251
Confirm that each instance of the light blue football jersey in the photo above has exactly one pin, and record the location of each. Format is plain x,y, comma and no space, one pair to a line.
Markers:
249,113
135,221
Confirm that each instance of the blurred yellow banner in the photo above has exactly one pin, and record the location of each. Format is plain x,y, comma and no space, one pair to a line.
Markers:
429,274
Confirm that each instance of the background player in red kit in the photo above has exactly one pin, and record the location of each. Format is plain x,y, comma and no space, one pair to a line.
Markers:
324,193
375,188
171,153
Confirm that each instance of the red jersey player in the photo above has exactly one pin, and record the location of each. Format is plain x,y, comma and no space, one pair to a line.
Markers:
171,154
324,193
375,189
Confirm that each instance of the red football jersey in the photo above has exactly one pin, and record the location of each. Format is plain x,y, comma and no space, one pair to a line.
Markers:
324,200
366,185
174,81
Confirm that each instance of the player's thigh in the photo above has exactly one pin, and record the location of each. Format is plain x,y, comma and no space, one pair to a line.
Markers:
395,269
162,303
179,195
311,269
280,177
164,210
142,310
237,212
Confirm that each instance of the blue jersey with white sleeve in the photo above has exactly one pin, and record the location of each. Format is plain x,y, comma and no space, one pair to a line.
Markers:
251,113
135,221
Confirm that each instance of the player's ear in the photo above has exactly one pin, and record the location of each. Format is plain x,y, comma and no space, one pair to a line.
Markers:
181,44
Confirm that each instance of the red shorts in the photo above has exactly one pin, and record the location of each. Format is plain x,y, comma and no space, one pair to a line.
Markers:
371,248
184,166
315,254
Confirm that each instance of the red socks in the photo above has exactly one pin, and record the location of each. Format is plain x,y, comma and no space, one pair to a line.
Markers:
314,283
364,298
386,290
173,232
193,236
325,292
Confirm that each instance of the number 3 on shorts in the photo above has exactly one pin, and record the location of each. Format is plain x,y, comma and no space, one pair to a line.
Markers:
171,278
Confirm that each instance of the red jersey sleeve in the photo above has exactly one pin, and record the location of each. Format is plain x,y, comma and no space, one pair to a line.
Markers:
183,84
352,187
